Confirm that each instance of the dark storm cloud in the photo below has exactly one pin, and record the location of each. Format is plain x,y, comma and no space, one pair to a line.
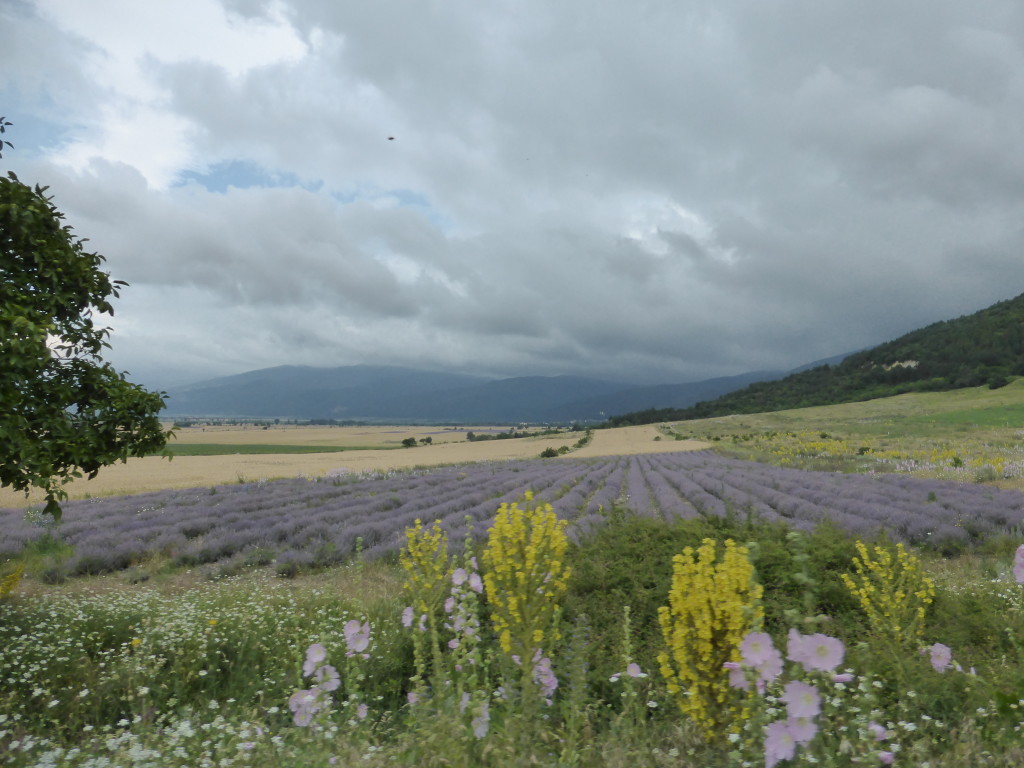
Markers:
651,190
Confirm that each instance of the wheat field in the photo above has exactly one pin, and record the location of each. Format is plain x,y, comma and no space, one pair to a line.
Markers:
449,446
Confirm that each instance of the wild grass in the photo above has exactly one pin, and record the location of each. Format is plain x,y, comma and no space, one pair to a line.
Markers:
181,670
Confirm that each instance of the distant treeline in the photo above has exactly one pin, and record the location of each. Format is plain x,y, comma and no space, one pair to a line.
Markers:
986,348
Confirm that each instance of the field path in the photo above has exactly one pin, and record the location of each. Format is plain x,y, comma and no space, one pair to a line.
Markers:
155,474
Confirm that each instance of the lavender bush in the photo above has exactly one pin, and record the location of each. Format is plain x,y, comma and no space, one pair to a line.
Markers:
305,522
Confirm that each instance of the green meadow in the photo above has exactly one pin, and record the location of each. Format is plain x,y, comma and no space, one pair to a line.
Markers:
611,654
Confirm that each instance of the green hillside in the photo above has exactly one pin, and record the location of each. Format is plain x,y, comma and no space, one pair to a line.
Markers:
986,348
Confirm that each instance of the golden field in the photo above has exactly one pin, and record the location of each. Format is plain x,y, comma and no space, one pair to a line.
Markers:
449,446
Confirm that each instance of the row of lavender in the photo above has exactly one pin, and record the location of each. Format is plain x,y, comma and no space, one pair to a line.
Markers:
320,521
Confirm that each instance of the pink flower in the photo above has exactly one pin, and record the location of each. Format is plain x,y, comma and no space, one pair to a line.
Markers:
327,678
482,721
737,677
633,670
816,651
823,652
305,704
362,711
1018,565
844,677
357,636
756,648
758,652
544,677
407,616
886,757
475,583
459,577
879,731
802,729
412,697
779,743
314,655
940,656
802,700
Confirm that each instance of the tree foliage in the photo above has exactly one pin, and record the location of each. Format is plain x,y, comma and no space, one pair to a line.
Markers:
63,411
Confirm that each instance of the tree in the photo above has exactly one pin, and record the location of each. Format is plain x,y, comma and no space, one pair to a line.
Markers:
63,411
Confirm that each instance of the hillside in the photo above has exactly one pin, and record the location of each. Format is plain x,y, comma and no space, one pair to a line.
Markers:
985,348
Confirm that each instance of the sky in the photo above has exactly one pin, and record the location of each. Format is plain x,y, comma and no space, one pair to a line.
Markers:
646,191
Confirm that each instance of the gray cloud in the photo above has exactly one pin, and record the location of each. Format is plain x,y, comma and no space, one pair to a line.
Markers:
640,191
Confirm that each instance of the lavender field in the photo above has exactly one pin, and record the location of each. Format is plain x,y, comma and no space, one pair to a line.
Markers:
318,522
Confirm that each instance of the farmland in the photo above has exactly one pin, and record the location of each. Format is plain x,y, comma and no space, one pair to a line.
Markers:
448,446
197,620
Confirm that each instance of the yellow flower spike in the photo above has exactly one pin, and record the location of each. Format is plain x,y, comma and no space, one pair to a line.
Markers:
426,563
893,591
712,606
525,575
11,581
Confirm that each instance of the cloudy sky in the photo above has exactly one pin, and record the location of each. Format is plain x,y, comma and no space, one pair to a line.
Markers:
652,191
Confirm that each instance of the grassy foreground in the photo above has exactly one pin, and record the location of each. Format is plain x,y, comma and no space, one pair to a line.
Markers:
333,668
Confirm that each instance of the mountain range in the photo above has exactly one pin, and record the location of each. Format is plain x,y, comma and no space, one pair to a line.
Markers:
986,347
385,393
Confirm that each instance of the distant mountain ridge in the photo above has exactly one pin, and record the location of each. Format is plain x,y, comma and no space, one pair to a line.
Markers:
986,347
387,393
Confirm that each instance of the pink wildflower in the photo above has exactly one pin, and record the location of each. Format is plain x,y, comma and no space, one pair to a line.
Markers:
878,731
758,652
314,655
779,743
823,652
412,697
304,705
362,711
327,678
482,721
475,583
737,677
357,636
544,677
633,670
816,651
407,616
886,757
459,577
802,729
940,656
844,677
802,700
756,648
